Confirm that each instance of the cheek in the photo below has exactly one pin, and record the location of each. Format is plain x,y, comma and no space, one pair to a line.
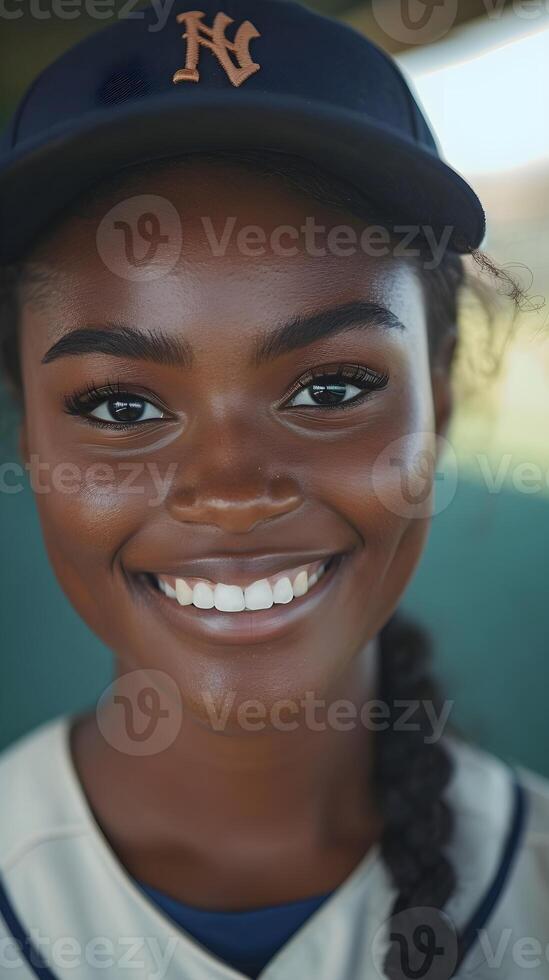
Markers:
86,523
381,474
87,512
381,480
90,498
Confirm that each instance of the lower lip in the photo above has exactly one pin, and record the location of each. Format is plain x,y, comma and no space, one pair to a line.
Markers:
245,628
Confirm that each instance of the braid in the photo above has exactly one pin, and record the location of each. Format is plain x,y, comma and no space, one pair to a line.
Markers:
410,775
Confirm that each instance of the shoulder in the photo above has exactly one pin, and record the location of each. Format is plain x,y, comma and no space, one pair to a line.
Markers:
501,841
492,799
37,791
500,852
484,787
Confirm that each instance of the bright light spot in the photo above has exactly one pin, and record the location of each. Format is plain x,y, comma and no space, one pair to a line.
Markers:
489,111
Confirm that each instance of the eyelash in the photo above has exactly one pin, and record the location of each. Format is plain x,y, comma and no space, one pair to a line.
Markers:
356,374
81,403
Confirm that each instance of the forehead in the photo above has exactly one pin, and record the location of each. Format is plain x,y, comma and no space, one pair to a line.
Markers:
209,239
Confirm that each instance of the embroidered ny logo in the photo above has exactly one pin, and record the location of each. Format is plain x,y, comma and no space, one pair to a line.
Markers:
198,33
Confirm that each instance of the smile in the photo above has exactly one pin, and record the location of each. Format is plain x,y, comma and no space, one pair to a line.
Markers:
277,602
279,589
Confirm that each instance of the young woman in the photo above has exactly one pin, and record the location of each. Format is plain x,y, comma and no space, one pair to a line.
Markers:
232,264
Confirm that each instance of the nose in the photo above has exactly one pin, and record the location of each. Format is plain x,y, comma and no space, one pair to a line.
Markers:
235,508
225,481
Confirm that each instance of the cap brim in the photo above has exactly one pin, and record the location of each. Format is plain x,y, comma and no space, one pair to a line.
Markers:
410,184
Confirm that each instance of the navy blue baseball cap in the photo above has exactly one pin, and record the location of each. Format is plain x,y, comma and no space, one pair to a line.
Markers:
235,74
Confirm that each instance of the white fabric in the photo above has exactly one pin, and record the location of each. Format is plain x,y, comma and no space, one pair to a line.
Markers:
90,921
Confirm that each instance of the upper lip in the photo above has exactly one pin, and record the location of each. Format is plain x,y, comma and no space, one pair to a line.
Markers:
241,568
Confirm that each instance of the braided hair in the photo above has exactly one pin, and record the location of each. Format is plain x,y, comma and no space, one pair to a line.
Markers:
410,773
410,776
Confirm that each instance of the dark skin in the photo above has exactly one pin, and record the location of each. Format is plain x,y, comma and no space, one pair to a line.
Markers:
232,819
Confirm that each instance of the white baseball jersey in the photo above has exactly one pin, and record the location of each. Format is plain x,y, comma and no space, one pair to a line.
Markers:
69,910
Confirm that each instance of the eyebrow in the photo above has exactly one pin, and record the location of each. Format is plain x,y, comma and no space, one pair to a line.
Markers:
119,340
305,330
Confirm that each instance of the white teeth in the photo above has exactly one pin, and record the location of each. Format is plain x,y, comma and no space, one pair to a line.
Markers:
282,591
301,583
259,595
183,593
166,588
228,598
313,579
203,597
232,598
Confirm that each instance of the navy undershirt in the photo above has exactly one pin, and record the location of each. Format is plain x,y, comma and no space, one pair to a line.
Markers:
245,940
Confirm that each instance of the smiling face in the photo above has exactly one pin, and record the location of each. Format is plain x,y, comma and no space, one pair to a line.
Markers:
234,430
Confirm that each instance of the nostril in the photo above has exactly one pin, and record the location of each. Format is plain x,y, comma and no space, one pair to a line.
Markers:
186,497
283,488
234,504
232,513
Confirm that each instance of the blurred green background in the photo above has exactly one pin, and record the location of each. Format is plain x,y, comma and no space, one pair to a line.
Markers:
483,583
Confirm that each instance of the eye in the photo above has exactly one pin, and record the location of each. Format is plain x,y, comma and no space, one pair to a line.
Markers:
333,387
111,406
328,392
126,408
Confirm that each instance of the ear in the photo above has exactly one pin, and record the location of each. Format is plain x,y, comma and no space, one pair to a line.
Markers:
441,380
